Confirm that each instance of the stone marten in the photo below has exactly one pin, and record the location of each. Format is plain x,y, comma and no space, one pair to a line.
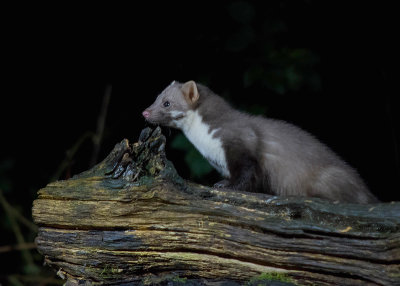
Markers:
253,153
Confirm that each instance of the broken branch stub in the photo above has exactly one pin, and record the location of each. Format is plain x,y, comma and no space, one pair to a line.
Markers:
132,219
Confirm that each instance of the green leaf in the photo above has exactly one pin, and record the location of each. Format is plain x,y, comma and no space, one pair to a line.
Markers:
197,164
180,142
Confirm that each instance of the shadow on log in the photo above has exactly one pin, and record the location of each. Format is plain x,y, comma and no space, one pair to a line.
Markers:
132,220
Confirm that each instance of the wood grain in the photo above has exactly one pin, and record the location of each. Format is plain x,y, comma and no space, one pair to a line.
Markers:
132,218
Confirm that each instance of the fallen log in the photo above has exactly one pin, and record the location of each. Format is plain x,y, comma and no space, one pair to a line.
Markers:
132,220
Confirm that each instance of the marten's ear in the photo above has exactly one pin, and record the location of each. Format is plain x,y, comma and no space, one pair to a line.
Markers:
190,92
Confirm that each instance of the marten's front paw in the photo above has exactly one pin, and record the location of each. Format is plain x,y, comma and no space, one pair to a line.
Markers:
221,184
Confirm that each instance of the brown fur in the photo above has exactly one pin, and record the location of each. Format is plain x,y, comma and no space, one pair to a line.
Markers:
263,154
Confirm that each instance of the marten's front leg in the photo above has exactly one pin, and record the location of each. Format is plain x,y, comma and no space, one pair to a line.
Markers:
243,174
222,184
243,171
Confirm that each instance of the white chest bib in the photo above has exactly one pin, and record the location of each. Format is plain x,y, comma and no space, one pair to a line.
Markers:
209,146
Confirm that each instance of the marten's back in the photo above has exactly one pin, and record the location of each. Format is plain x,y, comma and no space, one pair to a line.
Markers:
299,164
293,162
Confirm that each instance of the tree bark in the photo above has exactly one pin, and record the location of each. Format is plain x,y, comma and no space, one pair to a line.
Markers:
132,219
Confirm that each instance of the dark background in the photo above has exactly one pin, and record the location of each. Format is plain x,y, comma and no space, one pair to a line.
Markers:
326,68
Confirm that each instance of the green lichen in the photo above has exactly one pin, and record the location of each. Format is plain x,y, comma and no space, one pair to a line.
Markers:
266,277
144,181
167,279
110,271
178,279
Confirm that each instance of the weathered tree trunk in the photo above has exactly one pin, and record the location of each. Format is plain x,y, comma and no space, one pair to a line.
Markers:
132,219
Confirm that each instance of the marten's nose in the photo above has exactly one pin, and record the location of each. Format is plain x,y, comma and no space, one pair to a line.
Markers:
146,114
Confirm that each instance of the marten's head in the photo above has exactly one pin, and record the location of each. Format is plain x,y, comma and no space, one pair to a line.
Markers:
173,104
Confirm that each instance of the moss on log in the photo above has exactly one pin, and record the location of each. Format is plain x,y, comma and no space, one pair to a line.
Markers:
132,220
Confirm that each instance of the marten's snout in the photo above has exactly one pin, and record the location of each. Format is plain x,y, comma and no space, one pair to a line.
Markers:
146,114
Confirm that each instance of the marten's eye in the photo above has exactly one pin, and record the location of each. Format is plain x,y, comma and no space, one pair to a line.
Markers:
166,104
